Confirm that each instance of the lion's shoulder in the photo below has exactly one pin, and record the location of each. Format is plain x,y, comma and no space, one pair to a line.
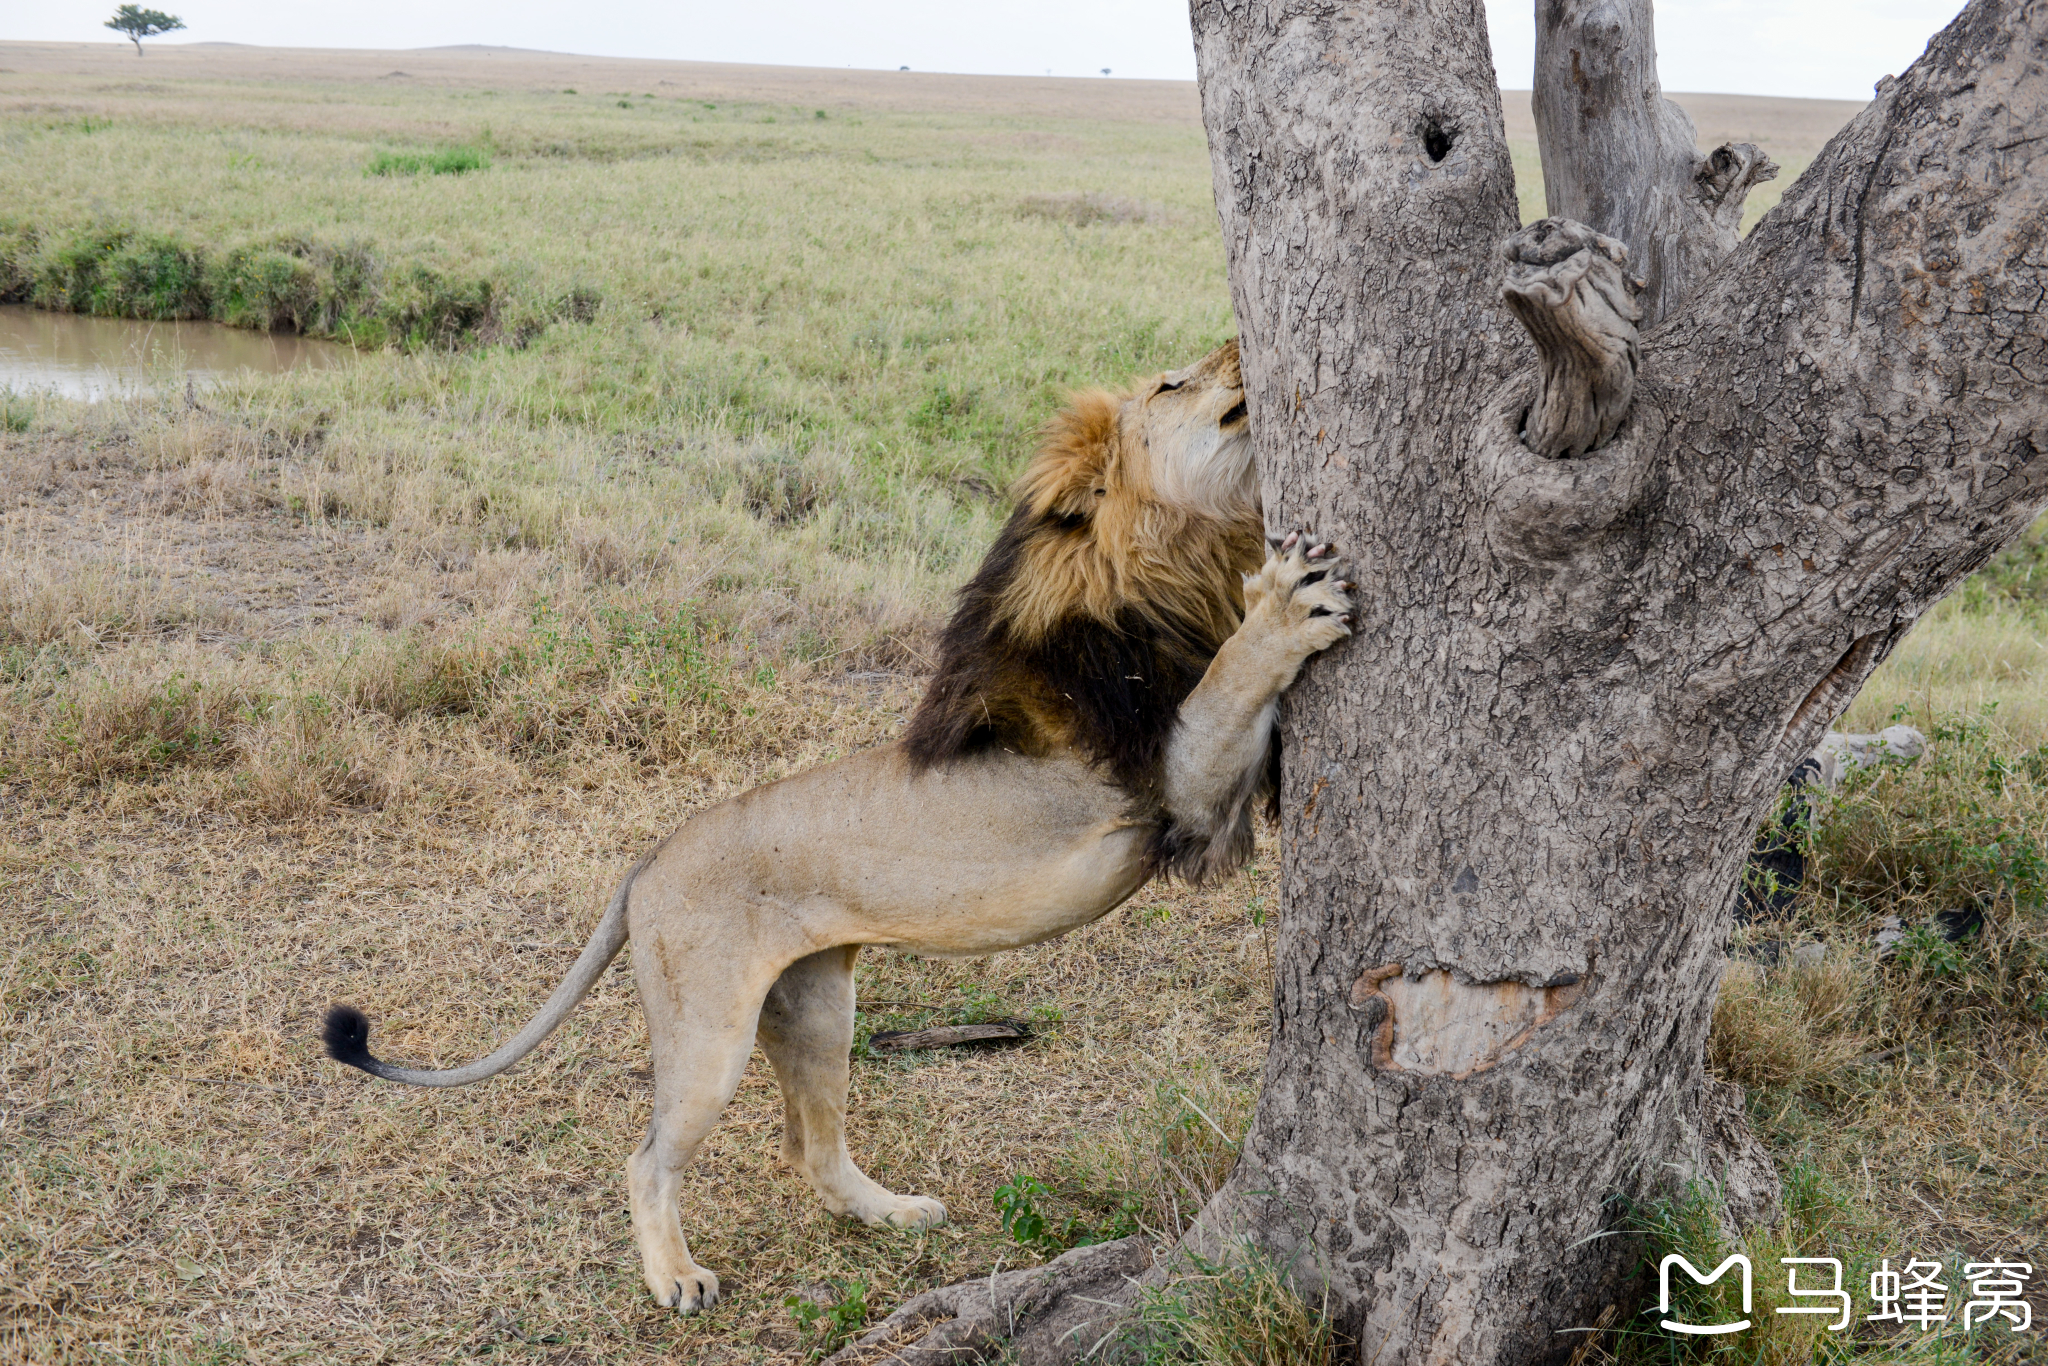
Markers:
1107,687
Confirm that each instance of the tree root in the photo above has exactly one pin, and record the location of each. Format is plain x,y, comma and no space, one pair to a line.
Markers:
1042,1316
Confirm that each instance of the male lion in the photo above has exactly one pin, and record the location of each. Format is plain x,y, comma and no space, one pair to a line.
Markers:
1102,712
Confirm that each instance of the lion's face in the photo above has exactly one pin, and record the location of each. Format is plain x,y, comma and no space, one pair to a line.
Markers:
1115,581
1145,500
1178,445
1190,432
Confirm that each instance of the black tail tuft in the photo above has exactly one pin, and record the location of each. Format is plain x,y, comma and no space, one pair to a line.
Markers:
347,1036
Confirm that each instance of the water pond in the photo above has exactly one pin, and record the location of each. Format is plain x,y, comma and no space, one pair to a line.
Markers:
90,358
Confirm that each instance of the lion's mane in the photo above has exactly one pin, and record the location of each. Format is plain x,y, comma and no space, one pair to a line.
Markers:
1094,615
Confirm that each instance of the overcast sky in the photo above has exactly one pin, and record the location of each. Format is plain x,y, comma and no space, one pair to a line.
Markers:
1831,49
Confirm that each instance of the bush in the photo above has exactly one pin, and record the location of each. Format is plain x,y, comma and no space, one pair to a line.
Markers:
264,289
319,289
120,273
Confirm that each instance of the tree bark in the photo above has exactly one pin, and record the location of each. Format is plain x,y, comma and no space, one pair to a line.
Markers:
1517,801
1621,158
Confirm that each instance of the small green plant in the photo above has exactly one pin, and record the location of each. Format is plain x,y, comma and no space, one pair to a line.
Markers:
1019,1204
448,161
829,1323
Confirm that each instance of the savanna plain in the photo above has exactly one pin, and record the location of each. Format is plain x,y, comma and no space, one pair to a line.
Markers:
682,397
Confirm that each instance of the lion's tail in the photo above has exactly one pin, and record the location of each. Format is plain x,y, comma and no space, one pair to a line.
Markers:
347,1031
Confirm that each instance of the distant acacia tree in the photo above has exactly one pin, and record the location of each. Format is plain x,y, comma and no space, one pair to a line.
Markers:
139,23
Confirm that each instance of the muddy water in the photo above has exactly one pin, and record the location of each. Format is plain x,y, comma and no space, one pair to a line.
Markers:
92,357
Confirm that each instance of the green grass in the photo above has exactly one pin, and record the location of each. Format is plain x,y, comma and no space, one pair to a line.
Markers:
447,161
876,281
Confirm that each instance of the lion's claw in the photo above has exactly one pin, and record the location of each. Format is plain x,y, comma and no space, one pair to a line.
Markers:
1300,583
690,1294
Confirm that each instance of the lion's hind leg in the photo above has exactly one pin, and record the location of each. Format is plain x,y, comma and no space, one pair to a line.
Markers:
806,1029
700,1028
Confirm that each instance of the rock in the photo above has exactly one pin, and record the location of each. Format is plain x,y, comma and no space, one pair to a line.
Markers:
1839,754
1809,955
1890,931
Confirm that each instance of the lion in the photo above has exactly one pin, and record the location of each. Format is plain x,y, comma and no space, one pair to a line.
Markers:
1102,713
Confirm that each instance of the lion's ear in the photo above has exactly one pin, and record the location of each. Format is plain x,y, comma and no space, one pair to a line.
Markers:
1076,459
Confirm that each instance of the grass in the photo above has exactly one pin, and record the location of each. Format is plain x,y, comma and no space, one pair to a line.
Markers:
365,684
447,161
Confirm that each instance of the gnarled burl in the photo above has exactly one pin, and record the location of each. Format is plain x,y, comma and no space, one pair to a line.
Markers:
1572,289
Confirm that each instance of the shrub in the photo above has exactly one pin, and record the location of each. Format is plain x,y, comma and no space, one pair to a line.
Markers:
422,308
264,289
343,291
121,273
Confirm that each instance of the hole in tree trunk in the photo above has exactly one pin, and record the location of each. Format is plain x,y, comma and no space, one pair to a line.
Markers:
1437,140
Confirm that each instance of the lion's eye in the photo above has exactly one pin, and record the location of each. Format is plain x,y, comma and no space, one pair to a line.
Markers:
1099,493
1167,386
1235,414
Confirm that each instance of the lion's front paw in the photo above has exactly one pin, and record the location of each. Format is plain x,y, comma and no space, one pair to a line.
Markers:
1300,594
687,1292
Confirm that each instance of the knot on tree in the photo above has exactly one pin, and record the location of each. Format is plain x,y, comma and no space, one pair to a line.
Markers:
1723,180
1572,289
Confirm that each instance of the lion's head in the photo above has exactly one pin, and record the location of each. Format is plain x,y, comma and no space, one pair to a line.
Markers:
1113,583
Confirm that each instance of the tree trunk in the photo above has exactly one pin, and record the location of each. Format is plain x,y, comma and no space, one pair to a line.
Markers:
1601,614
1618,156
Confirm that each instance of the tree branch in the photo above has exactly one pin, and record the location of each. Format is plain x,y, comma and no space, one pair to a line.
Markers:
1621,157
1860,396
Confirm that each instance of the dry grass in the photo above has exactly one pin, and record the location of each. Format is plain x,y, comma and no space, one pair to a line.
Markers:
414,794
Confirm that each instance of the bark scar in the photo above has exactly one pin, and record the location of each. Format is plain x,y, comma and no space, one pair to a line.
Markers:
1831,696
1434,1025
